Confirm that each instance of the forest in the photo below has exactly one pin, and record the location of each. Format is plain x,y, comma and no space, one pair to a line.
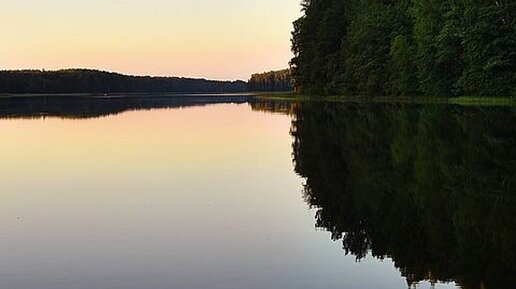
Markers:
270,81
405,48
94,81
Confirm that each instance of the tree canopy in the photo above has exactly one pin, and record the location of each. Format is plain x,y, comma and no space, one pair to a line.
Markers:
405,47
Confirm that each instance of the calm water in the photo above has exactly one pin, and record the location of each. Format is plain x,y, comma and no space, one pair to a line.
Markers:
237,193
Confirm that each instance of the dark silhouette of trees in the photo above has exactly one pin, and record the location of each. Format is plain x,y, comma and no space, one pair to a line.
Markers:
93,81
405,47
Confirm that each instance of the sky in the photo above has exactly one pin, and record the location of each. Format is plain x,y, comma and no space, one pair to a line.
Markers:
216,39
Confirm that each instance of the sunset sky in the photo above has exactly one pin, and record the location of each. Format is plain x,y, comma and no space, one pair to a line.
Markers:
225,39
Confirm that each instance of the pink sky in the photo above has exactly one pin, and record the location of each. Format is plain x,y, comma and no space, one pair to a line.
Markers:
225,39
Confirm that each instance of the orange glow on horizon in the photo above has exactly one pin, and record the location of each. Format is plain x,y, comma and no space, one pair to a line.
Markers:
197,38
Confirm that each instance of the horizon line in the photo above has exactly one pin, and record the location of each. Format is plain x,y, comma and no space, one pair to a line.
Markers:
129,74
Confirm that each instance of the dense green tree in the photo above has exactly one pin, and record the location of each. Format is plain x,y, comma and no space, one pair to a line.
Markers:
489,39
403,74
403,77
366,51
316,43
405,47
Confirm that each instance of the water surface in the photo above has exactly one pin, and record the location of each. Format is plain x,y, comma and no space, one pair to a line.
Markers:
239,193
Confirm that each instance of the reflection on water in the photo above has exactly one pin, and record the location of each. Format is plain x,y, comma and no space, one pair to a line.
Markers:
432,187
206,197
88,106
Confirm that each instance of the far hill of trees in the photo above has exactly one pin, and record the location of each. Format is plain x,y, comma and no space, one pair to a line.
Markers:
271,81
405,47
94,81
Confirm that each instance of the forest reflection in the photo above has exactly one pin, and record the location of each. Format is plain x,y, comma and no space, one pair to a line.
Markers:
431,186
100,106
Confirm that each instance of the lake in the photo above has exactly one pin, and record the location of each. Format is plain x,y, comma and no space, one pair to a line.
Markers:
236,192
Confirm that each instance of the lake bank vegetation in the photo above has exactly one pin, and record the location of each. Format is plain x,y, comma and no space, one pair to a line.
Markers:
405,48
459,100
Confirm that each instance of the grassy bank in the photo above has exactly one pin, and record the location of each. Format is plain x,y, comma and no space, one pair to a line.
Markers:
464,100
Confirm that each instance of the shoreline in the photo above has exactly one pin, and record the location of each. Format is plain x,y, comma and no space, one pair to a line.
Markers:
127,95
279,96
462,100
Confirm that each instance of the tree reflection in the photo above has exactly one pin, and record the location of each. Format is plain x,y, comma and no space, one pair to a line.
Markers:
433,187
65,106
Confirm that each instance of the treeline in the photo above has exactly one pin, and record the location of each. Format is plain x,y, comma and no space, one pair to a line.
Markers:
94,81
406,47
271,81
